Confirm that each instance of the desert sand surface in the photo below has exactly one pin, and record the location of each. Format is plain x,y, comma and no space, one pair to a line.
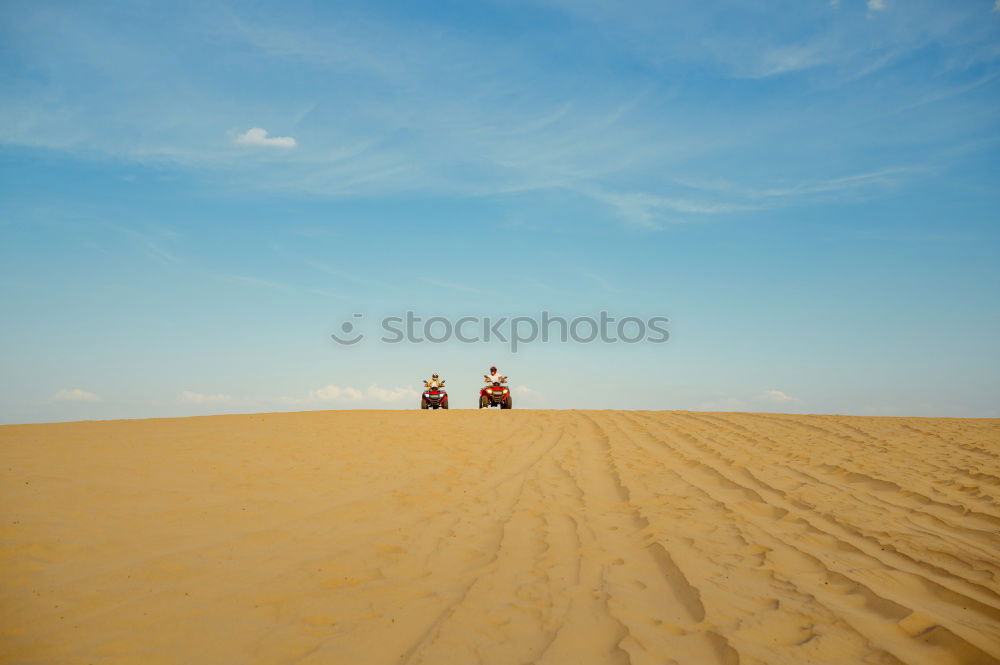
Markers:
501,537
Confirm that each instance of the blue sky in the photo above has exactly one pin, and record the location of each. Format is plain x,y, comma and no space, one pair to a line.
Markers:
193,196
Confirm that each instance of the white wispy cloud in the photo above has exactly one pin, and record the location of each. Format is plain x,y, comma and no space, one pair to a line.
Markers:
529,398
786,59
333,395
764,401
341,274
390,396
75,395
603,283
742,196
474,117
777,396
152,241
258,137
253,281
454,286
648,210
190,397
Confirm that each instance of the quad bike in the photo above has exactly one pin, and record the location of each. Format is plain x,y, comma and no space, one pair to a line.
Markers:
434,398
495,394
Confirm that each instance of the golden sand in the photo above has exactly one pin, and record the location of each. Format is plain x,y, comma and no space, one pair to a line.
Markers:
501,537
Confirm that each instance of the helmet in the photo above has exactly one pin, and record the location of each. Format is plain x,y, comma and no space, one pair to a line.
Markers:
493,370
434,376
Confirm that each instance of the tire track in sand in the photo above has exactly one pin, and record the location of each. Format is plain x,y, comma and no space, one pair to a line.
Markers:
821,483
835,555
503,537
661,610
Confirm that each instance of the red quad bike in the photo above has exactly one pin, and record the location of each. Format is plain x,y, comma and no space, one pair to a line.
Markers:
434,398
495,395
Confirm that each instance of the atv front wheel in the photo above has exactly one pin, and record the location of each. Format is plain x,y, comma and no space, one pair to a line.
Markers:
423,404
483,402
507,403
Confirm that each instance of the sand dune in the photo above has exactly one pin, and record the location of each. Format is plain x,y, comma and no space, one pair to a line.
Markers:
501,537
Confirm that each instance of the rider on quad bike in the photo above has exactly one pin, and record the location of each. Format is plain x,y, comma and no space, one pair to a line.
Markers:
434,395
495,393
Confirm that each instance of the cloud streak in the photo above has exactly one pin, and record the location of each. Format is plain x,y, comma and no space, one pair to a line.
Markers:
258,138
766,400
189,397
75,395
467,115
778,397
348,396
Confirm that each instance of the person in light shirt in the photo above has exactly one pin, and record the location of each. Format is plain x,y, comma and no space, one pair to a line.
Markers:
434,382
494,376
